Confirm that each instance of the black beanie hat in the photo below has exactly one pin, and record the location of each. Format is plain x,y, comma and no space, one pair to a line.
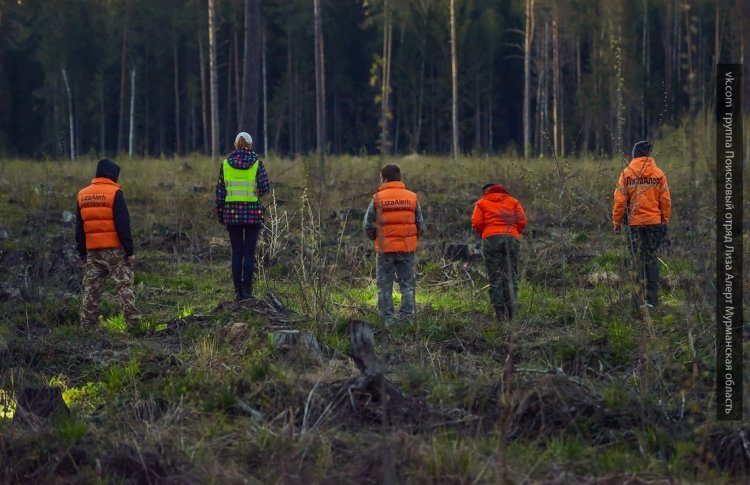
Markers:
641,149
487,186
107,168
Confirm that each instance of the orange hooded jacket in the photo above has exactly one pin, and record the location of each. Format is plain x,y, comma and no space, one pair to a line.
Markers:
498,213
643,192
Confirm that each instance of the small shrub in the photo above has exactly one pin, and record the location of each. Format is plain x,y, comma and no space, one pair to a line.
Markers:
118,376
622,342
70,430
615,397
115,323
565,448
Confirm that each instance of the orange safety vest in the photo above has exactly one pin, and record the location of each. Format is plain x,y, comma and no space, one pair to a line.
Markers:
498,213
642,189
395,219
96,202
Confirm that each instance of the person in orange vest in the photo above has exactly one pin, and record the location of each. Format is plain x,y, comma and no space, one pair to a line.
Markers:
105,245
499,219
394,221
642,203
242,181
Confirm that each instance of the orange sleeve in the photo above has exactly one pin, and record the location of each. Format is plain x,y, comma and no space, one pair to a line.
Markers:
477,219
521,218
618,209
665,201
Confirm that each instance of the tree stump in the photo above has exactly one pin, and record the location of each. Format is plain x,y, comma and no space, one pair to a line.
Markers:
363,348
372,379
287,339
39,402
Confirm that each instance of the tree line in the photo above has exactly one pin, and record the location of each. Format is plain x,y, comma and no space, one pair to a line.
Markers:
538,77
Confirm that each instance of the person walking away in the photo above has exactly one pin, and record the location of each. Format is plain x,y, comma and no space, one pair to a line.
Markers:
105,245
242,181
500,220
643,204
394,221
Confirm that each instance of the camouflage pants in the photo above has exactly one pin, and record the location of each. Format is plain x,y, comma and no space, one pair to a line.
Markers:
501,258
400,266
101,263
644,242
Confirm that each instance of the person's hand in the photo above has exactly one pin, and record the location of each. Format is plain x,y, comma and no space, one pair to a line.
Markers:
617,228
130,260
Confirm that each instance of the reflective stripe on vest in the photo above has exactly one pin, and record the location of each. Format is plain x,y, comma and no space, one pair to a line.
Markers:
240,183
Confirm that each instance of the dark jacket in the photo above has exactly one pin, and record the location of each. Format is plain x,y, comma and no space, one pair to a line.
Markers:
238,213
109,169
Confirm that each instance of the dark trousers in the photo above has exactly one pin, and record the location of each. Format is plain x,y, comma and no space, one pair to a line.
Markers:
644,241
244,239
501,258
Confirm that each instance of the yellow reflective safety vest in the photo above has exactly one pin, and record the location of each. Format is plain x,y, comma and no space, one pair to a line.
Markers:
241,184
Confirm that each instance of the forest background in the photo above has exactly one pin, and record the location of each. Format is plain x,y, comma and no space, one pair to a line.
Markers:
532,77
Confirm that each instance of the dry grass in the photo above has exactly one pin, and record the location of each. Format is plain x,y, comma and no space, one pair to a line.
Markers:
208,396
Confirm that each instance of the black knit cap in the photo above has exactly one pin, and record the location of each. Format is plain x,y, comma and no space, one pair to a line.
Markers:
107,168
487,186
642,149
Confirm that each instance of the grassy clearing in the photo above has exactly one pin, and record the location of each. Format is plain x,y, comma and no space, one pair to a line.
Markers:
206,394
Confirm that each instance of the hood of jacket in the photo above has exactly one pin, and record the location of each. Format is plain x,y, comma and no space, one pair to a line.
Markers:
495,192
109,169
242,159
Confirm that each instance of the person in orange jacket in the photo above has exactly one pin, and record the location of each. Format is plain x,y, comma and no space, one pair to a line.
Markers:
642,202
394,222
499,219
105,245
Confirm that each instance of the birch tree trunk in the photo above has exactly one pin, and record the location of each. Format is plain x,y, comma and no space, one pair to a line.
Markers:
131,137
385,85
528,37
230,67
250,71
454,81
644,60
175,55
204,103
420,100
320,96
477,114
237,80
102,119
265,93
290,94
71,125
214,81
555,90
123,78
